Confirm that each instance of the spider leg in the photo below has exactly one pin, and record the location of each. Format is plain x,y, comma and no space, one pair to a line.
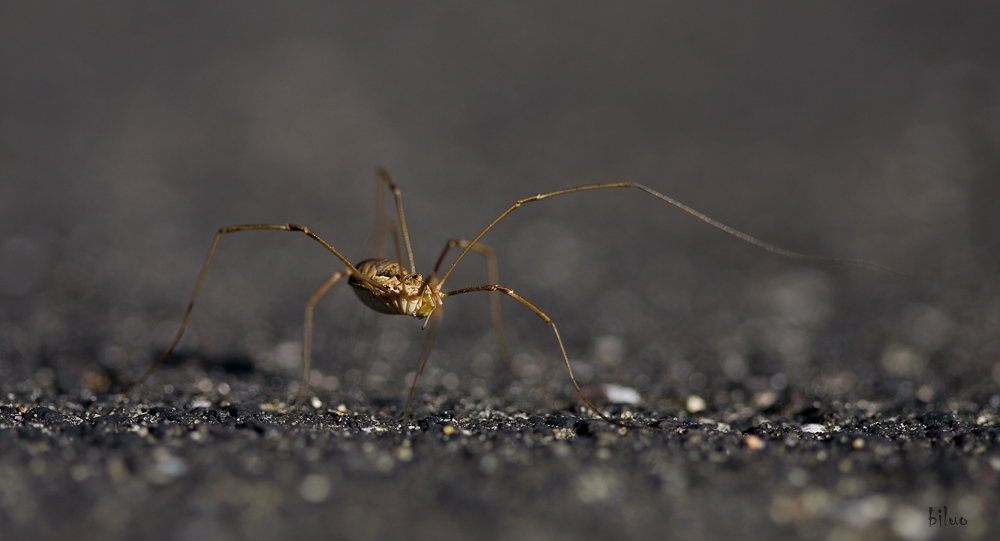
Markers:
714,223
494,278
204,268
569,369
383,224
437,316
307,330
383,175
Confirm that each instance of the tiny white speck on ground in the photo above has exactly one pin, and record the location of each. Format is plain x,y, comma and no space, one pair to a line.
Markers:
911,524
384,462
488,464
566,434
696,403
315,488
813,428
754,443
205,385
598,486
619,394
116,469
765,399
165,468
272,407
404,453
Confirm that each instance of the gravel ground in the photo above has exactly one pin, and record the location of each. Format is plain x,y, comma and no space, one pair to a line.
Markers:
197,465
761,397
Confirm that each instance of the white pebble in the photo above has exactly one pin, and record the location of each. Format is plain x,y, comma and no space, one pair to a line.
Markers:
619,394
696,403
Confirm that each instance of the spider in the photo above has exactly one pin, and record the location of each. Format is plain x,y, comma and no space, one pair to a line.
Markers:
390,287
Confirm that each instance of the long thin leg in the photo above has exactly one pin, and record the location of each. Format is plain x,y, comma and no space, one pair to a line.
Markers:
384,176
307,330
379,233
510,293
382,223
395,241
204,268
493,275
437,316
715,223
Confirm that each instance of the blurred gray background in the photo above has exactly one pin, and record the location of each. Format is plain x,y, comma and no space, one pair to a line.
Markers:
129,133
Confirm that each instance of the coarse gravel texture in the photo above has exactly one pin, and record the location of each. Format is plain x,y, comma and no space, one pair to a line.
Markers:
198,465
761,397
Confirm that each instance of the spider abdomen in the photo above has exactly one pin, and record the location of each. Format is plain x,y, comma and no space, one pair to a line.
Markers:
399,293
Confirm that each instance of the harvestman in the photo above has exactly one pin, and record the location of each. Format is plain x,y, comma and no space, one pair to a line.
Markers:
387,287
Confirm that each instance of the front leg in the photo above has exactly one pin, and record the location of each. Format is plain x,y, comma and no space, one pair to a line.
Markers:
569,369
307,330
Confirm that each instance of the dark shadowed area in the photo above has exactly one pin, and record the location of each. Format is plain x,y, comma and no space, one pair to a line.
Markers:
767,397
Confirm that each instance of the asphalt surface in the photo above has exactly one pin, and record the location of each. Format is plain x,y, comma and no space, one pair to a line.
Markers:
759,397
199,465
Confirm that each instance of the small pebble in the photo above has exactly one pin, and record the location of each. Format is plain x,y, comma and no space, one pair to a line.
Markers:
766,399
754,443
696,403
404,454
315,488
618,394
272,407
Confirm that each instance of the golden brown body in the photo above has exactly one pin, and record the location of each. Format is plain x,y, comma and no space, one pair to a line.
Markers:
403,293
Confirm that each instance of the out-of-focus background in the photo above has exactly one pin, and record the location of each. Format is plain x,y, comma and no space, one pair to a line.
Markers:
129,133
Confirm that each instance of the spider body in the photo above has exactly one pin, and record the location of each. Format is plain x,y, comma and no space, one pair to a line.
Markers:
401,293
